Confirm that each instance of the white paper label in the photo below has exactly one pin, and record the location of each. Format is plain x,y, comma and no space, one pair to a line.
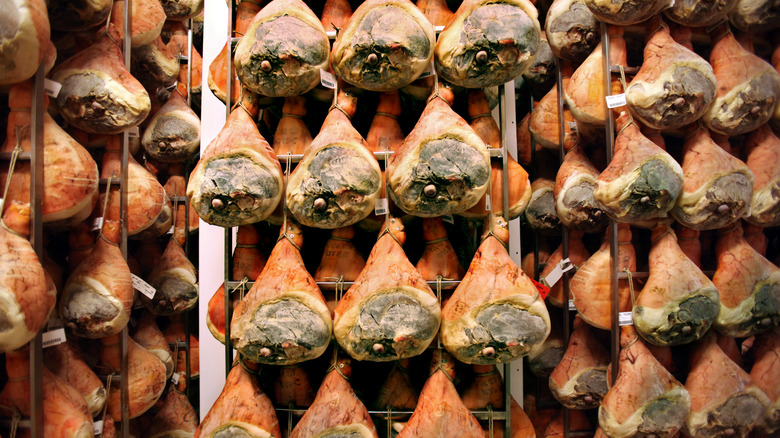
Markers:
2,202
448,219
427,72
556,274
133,132
141,286
170,230
572,126
616,100
625,318
51,88
97,224
175,378
97,427
438,28
327,79
53,337
571,305
380,207
488,203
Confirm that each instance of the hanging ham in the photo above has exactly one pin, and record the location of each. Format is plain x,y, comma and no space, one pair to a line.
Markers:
175,334
385,133
173,134
674,87
385,45
642,182
543,358
748,87
175,281
755,16
573,193
242,409
98,295
437,12
180,10
766,374
645,400
340,258
282,51
335,14
24,41
291,135
749,286
147,19
238,179
572,30
336,410
544,125
283,319
724,399
177,418
440,411
488,43
443,166
148,335
542,72
390,312
496,314
590,286
439,259
397,392
293,387
580,379
699,13
540,213
155,65
66,362
762,152
625,12
71,16
678,303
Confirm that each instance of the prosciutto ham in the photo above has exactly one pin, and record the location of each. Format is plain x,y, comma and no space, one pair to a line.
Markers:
340,258
438,260
76,17
98,295
293,387
762,149
217,79
495,314
443,166
754,17
678,303
580,379
385,45
24,41
175,281
540,213
148,335
67,363
766,374
238,179
725,401
338,180
645,399
543,358
242,409
385,133
173,134
397,392
176,418
642,182
674,87
335,14
148,17
440,412
572,30
283,319
748,87
488,43
437,12
291,135
155,65
749,286
390,312
697,13
544,125
573,193
625,12
336,410
182,9
283,50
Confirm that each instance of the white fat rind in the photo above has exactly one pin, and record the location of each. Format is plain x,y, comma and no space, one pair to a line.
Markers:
628,428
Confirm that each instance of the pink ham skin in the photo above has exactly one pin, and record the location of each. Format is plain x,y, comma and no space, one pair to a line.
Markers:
439,258
241,407
643,385
436,11
149,336
762,152
725,401
335,407
544,122
176,417
335,14
293,387
340,257
688,240
585,362
66,362
766,374
175,280
248,258
487,389
756,238
578,255
397,391
385,133
148,17
578,422
577,209
291,135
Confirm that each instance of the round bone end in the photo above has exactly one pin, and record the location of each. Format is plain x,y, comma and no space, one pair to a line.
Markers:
481,56
217,204
430,190
488,351
723,208
266,66
265,352
686,330
645,199
372,59
320,204
378,348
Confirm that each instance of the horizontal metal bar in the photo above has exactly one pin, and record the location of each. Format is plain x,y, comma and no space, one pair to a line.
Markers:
180,344
179,199
296,158
183,58
481,415
26,156
331,285
24,424
640,275
626,70
114,180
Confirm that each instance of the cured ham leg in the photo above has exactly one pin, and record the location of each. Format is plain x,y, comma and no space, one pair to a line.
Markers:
540,213
155,65
642,182
390,312
749,287
488,43
66,411
340,258
689,243
578,255
173,134
336,410
645,400
217,80
487,389
385,133
766,374
242,409
379,38
293,387
590,286
77,17
238,179
543,358
573,193
438,259
496,314
541,74
678,303
98,295
580,379
148,335
725,401
572,30
699,12
25,39
283,50
625,12
762,152
748,87
98,94
335,14
283,319
753,17
66,362
291,135
146,376
437,12
148,17
440,411
397,391
717,188
175,280
338,180
544,122
577,422
177,418
182,10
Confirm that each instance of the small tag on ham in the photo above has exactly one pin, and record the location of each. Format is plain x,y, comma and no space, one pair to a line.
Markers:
141,286
616,100
327,79
53,337
625,318
488,203
51,88
428,71
381,207
554,276
572,306
97,427
133,132
175,378
543,290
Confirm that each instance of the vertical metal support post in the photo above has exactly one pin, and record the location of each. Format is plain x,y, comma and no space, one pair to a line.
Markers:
613,230
36,240
228,310
123,186
189,62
